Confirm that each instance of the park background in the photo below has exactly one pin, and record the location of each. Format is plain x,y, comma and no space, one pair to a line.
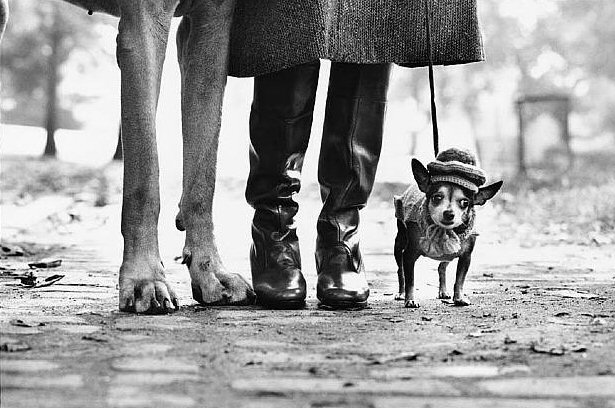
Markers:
538,334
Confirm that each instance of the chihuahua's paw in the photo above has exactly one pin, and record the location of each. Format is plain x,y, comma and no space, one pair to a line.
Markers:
443,295
462,301
399,296
411,304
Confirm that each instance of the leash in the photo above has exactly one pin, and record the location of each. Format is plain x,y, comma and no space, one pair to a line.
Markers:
432,88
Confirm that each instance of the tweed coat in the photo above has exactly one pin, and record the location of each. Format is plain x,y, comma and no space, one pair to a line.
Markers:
270,35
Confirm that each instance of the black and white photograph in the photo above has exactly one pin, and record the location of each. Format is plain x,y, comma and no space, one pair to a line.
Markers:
307,203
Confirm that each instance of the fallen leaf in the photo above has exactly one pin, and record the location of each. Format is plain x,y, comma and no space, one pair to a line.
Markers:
396,320
14,347
46,263
561,314
547,349
22,323
47,282
455,352
399,357
28,280
96,337
488,275
426,319
11,250
508,340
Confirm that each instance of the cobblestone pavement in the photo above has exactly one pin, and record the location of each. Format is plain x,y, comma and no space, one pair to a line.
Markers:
538,334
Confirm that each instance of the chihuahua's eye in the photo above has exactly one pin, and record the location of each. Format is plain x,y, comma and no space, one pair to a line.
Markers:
436,199
463,203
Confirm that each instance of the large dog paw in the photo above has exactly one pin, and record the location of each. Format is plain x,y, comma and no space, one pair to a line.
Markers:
400,296
144,289
461,301
442,294
411,304
213,286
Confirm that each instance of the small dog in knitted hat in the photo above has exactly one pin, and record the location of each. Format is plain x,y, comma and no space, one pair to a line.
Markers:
435,218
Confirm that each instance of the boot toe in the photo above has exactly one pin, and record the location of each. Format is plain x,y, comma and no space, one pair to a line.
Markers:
281,292
351,291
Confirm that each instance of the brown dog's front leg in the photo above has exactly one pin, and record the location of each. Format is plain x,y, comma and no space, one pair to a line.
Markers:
203,41
463,265
401,241
462,270
410,258
141,44
442,293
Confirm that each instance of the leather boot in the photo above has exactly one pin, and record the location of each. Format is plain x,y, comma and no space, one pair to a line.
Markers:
280,124
351,144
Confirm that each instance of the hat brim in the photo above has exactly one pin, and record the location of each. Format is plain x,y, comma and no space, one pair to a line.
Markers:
449,178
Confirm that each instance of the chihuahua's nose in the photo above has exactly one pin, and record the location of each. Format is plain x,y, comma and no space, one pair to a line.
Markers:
448,215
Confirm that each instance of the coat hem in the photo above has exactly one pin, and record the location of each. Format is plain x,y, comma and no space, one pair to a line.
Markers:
262,70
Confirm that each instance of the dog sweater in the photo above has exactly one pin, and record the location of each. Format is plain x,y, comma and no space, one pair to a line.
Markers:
435,242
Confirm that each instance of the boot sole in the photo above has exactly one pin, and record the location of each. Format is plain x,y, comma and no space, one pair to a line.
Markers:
282,305
341,305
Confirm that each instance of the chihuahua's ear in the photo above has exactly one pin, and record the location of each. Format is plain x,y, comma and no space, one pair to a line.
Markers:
487,193
421,175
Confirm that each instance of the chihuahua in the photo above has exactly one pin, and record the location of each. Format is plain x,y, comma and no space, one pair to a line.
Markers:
435,218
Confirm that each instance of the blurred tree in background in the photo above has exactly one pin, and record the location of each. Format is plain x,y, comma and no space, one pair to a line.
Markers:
532,47
42,38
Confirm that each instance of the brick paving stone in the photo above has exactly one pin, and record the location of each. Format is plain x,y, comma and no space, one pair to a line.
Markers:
10,329
460,371
36,317
133,338
47,398
26,365
297,357
396,402
262,344
129,397
154,365
36,382
592,386
79,329
146,348
414,402
154,323
64,297
147,378
348,386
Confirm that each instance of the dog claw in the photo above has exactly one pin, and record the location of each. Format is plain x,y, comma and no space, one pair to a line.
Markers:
144,289
411,304
399,296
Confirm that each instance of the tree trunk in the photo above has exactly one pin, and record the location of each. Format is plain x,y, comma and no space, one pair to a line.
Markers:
119,155
51,121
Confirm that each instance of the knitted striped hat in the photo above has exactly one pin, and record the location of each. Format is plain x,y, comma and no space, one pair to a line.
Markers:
458,167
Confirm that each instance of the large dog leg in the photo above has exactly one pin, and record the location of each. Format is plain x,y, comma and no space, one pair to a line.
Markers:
203,40
4,15
141,44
